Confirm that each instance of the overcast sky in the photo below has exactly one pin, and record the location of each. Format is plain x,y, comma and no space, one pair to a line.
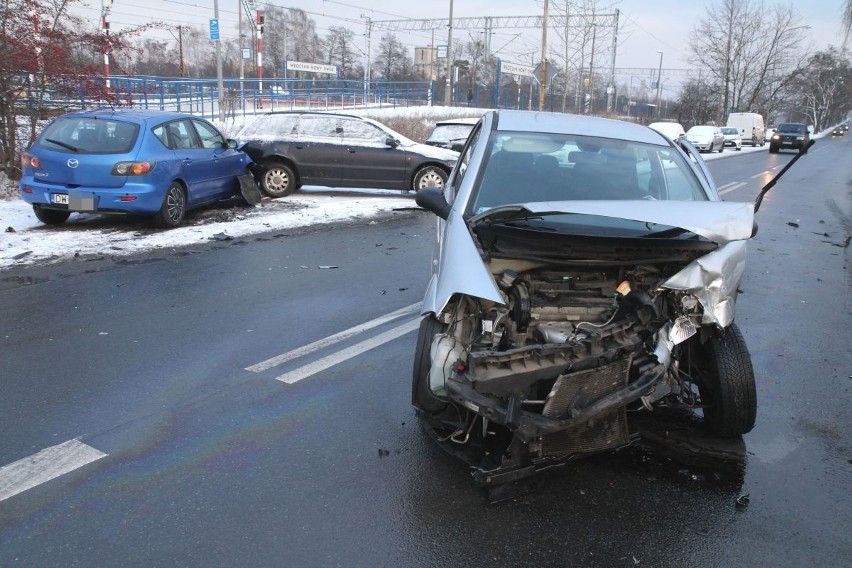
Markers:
646,26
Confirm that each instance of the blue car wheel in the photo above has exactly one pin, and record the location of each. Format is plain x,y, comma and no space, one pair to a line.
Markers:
173,211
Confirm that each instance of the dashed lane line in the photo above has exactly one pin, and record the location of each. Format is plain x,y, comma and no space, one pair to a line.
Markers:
348,353
729,187
45,465
332,339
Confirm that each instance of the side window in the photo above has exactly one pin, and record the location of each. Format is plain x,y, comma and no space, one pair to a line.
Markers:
360,131
162,134
181,135
319,127
210,137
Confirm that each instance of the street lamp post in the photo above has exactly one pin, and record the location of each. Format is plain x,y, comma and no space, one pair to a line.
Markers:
659,82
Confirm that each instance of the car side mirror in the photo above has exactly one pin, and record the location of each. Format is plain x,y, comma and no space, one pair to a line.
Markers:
231,143
432,199
391,141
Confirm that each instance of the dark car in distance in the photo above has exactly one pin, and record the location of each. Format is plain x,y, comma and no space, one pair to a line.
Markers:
292,149
790,135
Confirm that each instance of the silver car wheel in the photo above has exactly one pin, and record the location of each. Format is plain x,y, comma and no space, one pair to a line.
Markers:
278,180
175,204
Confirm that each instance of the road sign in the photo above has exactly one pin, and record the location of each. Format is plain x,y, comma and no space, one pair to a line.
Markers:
515,69
551,72
214,29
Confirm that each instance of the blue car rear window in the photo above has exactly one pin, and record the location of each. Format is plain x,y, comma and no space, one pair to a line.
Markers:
81,135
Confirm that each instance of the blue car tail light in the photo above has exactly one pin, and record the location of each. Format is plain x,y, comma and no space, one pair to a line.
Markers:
132,168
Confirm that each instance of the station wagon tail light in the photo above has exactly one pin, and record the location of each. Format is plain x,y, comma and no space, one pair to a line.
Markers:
132,168
28,160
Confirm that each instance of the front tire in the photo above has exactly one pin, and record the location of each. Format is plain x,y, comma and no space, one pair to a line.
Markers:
728,393
773,149
173,210
422,396
278,179
50,216
429,176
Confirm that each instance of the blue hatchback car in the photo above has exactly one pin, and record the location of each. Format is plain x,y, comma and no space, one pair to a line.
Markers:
128,161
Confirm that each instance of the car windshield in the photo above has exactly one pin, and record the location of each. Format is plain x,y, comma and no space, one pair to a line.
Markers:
448,132
729,131
524,167
86,135
701,130
796,128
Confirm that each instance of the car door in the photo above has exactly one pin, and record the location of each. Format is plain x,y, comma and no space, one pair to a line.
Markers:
316,149
196,161
368,160
225,163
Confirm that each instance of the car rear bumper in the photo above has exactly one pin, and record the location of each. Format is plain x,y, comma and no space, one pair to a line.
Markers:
131,198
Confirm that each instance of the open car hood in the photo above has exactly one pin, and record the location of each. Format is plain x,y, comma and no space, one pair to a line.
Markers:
712,278
717,221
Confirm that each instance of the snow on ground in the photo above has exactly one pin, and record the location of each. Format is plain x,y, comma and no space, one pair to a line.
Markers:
24,240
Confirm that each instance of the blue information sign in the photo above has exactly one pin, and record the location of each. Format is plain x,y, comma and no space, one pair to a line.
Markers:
214,29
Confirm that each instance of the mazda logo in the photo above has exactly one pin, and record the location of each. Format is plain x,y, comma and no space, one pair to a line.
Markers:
72,163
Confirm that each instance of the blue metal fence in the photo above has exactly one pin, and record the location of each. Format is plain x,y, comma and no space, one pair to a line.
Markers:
247,96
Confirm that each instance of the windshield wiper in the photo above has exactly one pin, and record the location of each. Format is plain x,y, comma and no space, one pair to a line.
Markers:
63,144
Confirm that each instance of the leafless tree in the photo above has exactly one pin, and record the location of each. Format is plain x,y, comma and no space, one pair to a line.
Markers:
748,49
821,89
338,47
585,35
390,58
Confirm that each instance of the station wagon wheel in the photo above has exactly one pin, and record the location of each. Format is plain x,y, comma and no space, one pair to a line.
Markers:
173,211
278,179
50,216
728,393
429,176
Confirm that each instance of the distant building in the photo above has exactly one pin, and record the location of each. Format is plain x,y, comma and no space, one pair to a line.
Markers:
426,63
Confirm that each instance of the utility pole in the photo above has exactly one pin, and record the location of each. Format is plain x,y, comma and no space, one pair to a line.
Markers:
659,83
180,51
220,84
448,93
592,69
105,6
369,28
543,80
611,89
260,54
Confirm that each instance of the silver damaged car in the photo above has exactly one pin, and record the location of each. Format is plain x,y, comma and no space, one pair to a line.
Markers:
585,272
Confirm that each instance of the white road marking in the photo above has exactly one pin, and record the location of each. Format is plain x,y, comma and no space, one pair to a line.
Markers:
45,465
332,339
348,353
761,174
729,187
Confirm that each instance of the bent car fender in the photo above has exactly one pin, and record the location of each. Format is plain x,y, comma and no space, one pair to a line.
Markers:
460,270
714,279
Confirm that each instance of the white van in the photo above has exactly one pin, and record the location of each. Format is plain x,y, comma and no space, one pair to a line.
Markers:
750,125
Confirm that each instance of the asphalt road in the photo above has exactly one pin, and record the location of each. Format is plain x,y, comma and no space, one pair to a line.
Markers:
247,404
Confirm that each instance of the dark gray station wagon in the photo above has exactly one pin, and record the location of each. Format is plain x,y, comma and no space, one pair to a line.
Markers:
292,149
